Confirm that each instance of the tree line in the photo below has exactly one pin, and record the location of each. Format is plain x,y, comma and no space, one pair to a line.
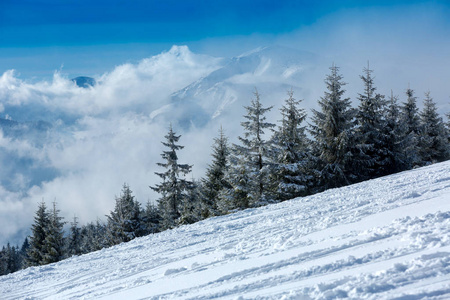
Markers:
341,145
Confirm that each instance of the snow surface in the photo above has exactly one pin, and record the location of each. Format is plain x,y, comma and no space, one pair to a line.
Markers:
382,239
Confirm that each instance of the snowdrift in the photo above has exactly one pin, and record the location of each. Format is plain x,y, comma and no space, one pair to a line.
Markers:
387,238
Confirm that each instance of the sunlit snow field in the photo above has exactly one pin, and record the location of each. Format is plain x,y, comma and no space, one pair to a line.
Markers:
387,238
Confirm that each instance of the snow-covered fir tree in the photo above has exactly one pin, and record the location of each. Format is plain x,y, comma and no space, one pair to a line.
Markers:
10,260
332,130
4,269
23,253
253,153
54,239
74,239
370,157
433,141
191,205
39,229
173,189
214,181
291,160
397,140
124,223
410,117
238,195
93,237
447,125
3,264
151,218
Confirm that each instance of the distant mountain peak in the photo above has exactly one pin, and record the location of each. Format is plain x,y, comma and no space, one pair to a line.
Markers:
270,69
84,81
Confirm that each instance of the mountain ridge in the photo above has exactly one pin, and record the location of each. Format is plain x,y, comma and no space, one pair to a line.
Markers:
273,70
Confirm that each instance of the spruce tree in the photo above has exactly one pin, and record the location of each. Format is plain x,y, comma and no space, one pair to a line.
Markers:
433,142
124,223
253,153
332,130
9,260
23,253
410,117
74,239
39,230
173,189
151,218
397,140
370,157
3,262
291,175
214,181
447,125
12,258
54,239
238,195
94,236
191,205
99,235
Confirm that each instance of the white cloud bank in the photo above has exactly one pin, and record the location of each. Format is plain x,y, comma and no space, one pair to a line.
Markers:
101,136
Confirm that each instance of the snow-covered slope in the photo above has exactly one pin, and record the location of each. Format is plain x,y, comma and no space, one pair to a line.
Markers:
382,239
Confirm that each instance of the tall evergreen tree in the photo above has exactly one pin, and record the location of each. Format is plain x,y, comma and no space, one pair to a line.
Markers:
332,130
9,260
23,253
448,127
124,223
290,152
371,155
433,142
253,151
214,180
238,195
174,187
54,239
191,205
94,237
3,262
39,230
151,218
410,117
74,239
397,140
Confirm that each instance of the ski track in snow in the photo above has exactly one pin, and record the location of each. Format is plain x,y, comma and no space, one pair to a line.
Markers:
387,238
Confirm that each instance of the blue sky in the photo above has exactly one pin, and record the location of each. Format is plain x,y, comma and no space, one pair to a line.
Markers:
38,37
31,23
